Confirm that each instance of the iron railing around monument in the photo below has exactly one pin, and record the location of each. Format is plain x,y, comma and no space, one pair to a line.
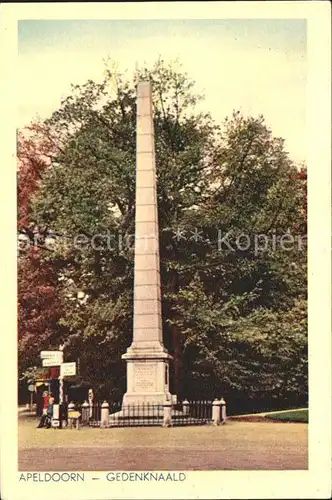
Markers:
94,415
89,415
136,415
145,414
192,413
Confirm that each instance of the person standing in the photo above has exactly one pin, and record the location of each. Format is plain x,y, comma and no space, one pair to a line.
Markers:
50,411
46,398
47,410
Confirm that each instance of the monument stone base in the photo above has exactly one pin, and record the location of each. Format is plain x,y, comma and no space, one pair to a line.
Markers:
147,376
147,383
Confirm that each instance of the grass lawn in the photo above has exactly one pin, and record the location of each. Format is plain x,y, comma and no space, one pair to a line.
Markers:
290,416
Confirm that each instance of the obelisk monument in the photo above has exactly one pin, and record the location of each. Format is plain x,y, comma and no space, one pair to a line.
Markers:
147,359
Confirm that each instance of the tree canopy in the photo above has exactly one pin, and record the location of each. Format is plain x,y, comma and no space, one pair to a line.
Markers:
232,218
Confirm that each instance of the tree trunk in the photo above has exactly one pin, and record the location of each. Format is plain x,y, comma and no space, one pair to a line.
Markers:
177,361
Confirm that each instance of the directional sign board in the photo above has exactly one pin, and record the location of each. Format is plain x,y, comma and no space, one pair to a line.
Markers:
67,369
52,362
51,354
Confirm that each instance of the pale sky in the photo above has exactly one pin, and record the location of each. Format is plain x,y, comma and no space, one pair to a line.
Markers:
256,66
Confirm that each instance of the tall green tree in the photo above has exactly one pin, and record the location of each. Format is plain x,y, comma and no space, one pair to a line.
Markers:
228,196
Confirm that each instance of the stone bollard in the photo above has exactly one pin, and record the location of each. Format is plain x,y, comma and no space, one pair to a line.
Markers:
167,421
71,408
223,410
85,413
55,421
216,412
63,416
105,413
185,407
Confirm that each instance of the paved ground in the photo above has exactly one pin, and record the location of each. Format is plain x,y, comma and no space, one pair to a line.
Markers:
234,446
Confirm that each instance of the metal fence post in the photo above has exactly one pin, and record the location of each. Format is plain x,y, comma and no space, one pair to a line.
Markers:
105,413
85,413
216,412
223,410
185,407
167,421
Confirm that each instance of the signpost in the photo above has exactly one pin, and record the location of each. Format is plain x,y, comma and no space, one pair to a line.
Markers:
67,369
51,358
55,358
51,354
51,362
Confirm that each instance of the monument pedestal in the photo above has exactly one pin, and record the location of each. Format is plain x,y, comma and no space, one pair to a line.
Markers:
147,386
147,375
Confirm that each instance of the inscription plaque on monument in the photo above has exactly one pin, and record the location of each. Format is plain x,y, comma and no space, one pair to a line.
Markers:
144,377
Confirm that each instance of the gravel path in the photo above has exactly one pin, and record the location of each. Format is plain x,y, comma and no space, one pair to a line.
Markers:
234,446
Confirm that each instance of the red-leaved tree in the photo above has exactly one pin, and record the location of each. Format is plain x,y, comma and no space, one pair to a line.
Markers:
39,303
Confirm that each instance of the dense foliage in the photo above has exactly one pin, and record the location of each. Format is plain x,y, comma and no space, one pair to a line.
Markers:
232,214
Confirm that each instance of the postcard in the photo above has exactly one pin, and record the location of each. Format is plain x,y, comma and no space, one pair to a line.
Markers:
166,242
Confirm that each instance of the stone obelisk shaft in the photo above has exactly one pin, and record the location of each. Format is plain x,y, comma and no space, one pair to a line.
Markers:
147,297
147,359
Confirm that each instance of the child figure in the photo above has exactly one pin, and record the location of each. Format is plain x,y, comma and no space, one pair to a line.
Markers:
50,407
